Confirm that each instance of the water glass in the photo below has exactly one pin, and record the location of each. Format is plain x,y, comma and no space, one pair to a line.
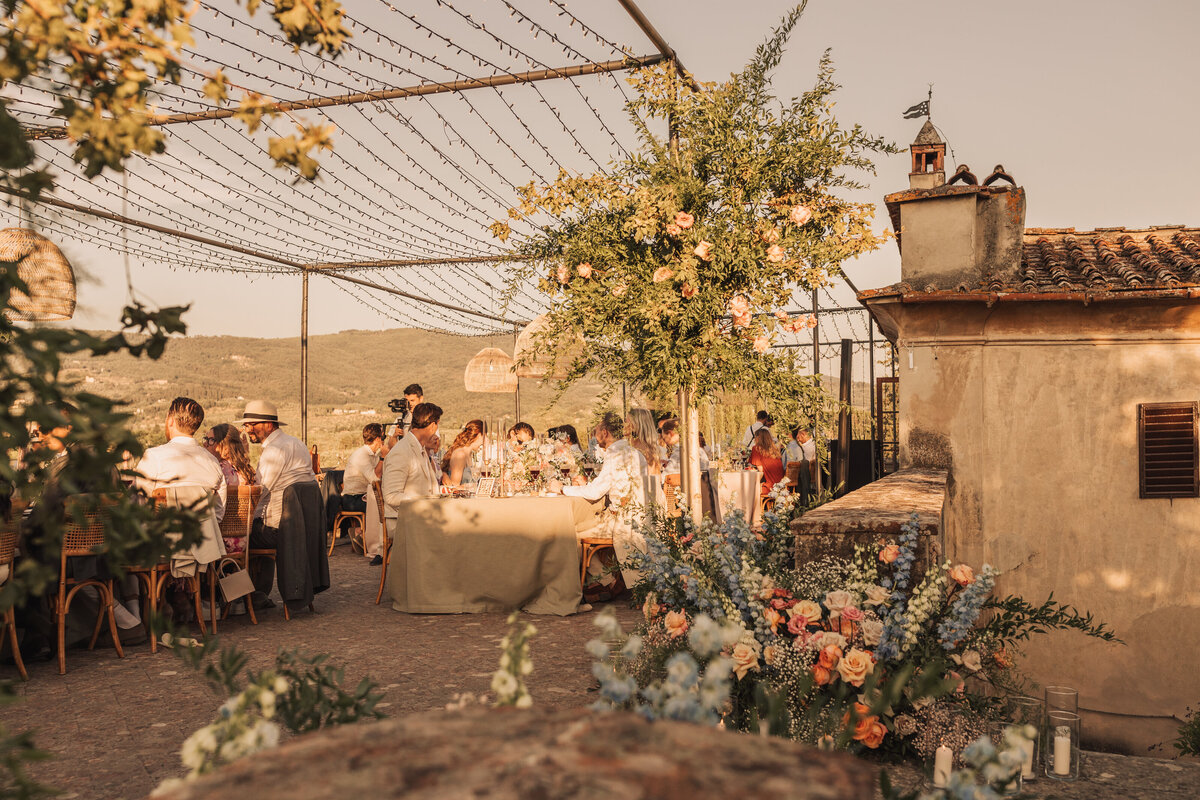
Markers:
1030,711
1061,751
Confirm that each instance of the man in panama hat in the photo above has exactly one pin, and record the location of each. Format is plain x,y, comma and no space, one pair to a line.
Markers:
284,462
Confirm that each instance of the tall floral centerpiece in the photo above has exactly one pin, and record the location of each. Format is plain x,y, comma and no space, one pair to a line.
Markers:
674,265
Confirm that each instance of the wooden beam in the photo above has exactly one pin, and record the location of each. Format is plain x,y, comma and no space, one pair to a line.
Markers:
491,81
668,53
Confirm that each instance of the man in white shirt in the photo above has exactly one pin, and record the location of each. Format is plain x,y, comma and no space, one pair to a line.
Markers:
622,479
407,470
801,448
284,461
363,468
761,420
670,434
183,462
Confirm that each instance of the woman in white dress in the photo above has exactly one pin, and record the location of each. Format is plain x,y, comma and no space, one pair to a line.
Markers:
456,464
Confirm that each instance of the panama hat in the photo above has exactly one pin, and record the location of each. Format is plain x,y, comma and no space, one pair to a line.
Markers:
259,411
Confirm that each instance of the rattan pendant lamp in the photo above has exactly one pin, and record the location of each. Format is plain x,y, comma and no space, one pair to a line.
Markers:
45,270
538,366
491,370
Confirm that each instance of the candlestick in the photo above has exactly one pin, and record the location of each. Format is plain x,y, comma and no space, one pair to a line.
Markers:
943,761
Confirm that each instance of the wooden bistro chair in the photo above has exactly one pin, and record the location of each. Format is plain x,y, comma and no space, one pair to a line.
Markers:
670,485
239,516
155,579
8,620
591,547
387,539
85,538
361,516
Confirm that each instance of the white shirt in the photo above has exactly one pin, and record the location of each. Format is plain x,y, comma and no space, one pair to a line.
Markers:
750,431
407,473
810,449
793,452
285,460
360,470
183,462
622,478
673,468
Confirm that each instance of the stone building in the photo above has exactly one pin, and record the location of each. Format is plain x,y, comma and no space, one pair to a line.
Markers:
1054,375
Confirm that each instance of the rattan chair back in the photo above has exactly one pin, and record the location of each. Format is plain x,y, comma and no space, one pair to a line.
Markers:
239,511
8,541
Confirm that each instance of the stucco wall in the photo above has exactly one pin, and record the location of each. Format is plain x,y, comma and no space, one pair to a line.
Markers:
1036,406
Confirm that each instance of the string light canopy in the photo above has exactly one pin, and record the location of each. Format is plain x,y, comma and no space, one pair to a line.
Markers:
537,365
491,370
44,270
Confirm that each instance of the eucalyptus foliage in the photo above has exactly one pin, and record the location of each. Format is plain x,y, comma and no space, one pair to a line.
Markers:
671,265
102,59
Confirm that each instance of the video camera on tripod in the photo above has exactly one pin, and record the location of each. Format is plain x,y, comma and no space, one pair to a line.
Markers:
399,407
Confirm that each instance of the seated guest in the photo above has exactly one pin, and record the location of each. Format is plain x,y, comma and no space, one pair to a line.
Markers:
643,437
285,462
518,436
670,437
566,440
766,456
362,469
622,480
407,470
225,442
704,447
456,464
803,451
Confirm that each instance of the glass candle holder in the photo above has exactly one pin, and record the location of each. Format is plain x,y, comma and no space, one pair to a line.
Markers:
1061,750
1062,698
997,732
1030,711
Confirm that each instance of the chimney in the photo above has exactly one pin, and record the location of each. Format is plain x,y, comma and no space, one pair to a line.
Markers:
957,233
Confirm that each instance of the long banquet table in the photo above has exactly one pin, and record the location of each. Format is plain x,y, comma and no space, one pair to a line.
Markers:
737,490
471,555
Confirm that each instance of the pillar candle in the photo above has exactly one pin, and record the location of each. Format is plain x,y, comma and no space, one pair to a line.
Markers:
1062,751
943,761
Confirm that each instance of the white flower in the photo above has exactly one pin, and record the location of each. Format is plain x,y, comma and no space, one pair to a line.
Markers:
872,629
504,684
281,685
266,701
524,701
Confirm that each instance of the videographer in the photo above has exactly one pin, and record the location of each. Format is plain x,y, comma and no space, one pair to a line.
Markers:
414,395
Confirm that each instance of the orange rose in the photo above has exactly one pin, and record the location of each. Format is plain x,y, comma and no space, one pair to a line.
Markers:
770,235
584,270
773,617
889,554
703,250
821,675
661,274
684,220
872,737
688,291
829,657
962,574
676,623
674,230
774,254
800,214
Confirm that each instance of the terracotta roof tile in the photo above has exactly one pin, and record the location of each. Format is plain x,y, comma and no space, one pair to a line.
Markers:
1106,259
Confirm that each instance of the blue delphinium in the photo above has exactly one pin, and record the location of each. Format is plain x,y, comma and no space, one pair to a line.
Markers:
896,619
966,608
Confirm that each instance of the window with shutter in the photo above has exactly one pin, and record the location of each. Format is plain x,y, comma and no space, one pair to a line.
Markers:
1168,455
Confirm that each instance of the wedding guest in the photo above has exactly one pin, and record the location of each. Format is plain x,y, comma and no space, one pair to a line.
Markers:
518,436
643,437
765,455
760,422
226,443
622,480
802,450
567,439
415,395
285,461
670,437
407,471
456,464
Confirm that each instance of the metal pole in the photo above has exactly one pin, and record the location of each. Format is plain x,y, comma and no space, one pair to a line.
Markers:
304,360
871,391
842,473
517,333
816,369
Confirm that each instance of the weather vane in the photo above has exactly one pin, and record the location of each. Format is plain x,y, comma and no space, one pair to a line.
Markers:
921,108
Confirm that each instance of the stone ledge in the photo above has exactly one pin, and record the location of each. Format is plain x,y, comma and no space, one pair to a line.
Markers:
510,754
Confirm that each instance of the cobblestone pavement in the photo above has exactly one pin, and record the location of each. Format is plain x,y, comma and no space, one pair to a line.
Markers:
115,725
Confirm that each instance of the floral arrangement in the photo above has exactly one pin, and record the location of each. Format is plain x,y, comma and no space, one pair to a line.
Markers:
523,462
508,681
862,653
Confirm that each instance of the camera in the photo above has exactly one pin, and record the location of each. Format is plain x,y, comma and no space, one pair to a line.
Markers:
399,407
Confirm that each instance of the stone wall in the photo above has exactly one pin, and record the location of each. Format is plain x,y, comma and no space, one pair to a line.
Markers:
535,754
876,512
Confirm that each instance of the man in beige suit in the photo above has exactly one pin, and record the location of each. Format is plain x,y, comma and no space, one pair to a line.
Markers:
407,470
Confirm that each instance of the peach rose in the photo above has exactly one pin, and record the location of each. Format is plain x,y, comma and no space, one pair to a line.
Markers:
619,290
872,631
744,659
676,623
852,613
821,675
662,273
703,250
770,655
889,553
770,235
563,273
738,304
584,270
781,315
773,617
808,609
742,320
674,230
836,600
761,344
688,291
812,321
796,625
684,220
877,595
774,254
855,666
650,608
962,574
823,639
829,656
800,214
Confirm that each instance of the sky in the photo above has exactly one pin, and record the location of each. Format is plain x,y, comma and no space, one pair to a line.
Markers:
1090,106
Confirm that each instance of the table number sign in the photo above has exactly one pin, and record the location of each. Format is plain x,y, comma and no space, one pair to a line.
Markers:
485,487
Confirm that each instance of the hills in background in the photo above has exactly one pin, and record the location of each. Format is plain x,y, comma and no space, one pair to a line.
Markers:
352,375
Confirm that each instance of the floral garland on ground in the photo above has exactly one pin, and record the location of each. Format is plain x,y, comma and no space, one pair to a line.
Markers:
860,653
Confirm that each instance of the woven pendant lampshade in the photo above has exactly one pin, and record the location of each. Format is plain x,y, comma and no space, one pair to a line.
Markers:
46,272
539,366
491,370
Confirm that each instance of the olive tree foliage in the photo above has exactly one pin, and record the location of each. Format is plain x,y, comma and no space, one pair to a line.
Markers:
103,58
673,266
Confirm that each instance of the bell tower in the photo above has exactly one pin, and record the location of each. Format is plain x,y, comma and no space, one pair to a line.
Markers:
928,159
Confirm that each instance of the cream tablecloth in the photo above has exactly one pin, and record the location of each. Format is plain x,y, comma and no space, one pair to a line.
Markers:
453,556
737,490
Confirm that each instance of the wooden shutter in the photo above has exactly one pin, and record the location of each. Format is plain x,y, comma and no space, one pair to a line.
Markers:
1168,457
